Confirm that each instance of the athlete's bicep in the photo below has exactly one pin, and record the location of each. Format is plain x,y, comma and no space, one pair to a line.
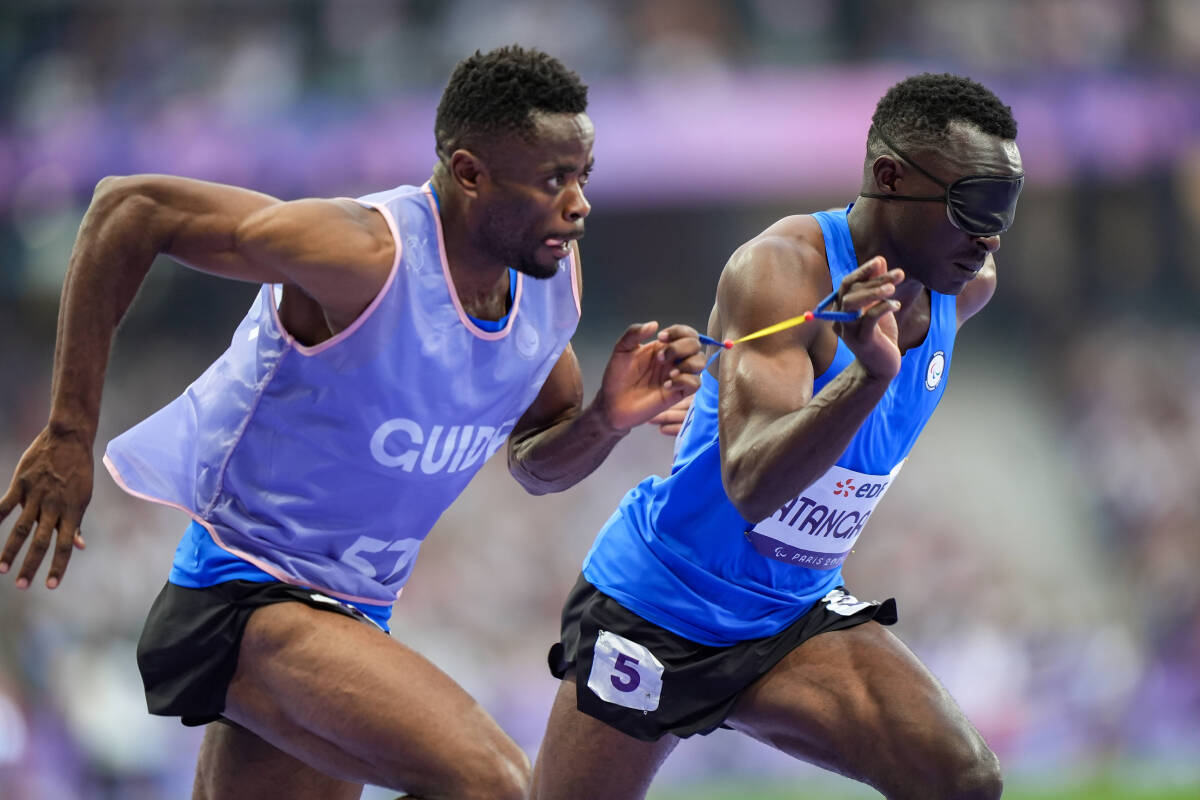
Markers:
763,379
337,251
195,222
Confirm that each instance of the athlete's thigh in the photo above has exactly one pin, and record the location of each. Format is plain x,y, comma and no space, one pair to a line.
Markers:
858,702
584,757
236,764
360,706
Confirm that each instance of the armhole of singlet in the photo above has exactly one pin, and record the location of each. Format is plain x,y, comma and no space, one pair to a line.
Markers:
349,330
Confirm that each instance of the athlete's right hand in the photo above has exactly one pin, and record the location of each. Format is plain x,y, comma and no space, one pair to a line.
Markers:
874,337
52,485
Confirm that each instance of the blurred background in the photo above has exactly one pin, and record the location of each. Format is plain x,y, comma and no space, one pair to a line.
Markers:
1044,543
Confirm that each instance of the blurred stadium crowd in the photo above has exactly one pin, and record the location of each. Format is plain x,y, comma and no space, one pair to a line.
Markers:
1045,542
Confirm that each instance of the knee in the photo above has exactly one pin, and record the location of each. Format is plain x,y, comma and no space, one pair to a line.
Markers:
955,764
499,773
505,777
971,772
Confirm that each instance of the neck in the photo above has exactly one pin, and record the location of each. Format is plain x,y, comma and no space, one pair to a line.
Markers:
869,240
480,280
868,236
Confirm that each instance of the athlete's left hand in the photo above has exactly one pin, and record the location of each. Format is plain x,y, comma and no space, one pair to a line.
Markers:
644,379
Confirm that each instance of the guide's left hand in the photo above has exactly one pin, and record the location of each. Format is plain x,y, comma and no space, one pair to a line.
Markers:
644,379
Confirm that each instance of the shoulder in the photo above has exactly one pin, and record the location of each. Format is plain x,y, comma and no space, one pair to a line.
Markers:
397,194
976,294
321,229
784,263
398,207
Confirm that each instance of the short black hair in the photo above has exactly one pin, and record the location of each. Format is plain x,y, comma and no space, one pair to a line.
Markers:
918,111
496,92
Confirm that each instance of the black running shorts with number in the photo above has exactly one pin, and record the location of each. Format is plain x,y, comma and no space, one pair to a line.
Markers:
645,681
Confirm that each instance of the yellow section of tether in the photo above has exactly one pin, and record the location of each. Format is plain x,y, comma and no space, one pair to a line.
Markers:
778,326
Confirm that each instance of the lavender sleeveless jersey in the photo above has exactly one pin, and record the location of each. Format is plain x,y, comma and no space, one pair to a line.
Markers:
326,466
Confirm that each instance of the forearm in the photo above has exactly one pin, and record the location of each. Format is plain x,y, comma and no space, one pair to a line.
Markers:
117,242
558,457
769,465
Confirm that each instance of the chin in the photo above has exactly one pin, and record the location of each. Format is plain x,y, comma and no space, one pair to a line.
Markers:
955,287
535,269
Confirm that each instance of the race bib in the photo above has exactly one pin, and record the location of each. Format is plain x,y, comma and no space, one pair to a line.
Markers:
818,528
839,601
625,673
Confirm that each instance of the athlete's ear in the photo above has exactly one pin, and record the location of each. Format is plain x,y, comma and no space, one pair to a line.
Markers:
468,170
887,171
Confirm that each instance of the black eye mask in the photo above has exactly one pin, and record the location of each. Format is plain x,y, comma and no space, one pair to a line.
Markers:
978,205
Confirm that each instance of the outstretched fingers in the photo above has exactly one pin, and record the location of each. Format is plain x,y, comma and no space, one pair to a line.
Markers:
43,532
871,317
683,354
670,421
44,524
52,484
11,500
869,285
872,268
21,528
68,538
681,343
634,335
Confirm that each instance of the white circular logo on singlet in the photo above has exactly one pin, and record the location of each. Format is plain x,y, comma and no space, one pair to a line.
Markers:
527,340
933,373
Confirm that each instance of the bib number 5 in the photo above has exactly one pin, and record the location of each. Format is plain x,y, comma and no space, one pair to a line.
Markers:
626,665
625,673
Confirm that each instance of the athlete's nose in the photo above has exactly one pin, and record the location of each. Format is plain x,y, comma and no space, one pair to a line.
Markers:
576,206
989,243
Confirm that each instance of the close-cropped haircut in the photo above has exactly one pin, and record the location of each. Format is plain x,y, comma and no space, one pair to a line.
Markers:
497,92
917,112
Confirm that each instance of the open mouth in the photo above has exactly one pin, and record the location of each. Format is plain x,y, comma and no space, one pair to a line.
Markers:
560,245
560,241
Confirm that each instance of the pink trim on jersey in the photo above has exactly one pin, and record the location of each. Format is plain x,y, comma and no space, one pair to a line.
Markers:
575,280
370,309
462,315
266,567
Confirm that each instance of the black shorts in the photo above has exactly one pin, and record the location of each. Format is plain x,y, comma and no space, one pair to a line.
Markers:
189,646
645,681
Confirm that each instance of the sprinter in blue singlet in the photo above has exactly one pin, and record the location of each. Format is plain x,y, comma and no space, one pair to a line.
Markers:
714,596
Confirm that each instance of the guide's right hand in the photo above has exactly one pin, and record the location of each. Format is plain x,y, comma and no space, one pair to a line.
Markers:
52,485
